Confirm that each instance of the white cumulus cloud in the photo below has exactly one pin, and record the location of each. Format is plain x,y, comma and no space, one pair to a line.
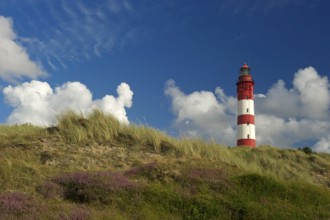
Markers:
289,116
323,145
284,117
202,113
37,103
314,94
15,63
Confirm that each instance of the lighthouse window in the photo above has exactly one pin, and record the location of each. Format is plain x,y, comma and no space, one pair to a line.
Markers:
248,123
248,136
247,97
247,109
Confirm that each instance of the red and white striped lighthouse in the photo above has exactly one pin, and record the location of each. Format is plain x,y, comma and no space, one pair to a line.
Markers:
246,135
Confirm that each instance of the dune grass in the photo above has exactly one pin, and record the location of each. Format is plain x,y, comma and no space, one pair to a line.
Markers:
100,129
73,171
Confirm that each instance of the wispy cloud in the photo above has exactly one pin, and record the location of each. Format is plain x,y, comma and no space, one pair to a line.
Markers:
65,32
250,7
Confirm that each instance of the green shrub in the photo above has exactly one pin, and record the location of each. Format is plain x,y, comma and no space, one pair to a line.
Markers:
306,150
87,187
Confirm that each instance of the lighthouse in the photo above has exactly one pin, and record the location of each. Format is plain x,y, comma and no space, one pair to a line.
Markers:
246,135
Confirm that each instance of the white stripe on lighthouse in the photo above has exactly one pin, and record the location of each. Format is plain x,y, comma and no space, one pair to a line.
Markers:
246,131
245,106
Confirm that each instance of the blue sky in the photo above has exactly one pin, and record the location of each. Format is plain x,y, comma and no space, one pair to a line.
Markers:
179,58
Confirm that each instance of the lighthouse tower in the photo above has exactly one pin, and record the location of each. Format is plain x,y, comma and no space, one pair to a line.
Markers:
245,109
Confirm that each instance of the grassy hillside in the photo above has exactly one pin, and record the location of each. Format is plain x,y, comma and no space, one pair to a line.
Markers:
96,168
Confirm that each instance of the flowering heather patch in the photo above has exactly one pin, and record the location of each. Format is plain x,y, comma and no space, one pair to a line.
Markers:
50,190
93,187
76,214
17,205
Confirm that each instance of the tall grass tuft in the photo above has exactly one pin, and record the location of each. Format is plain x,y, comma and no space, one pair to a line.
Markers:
98,127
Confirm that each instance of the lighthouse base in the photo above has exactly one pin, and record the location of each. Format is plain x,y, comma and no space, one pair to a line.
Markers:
247,142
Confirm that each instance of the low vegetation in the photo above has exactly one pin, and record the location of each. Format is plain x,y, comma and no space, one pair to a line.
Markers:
97,168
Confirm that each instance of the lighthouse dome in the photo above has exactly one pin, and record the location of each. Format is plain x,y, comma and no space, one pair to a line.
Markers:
244,70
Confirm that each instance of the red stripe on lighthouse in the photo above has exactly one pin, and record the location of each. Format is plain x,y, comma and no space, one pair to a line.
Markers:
247,142
245,87
245,119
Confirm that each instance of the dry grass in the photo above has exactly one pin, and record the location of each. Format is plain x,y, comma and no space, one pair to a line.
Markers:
101,142
107,143
31,155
